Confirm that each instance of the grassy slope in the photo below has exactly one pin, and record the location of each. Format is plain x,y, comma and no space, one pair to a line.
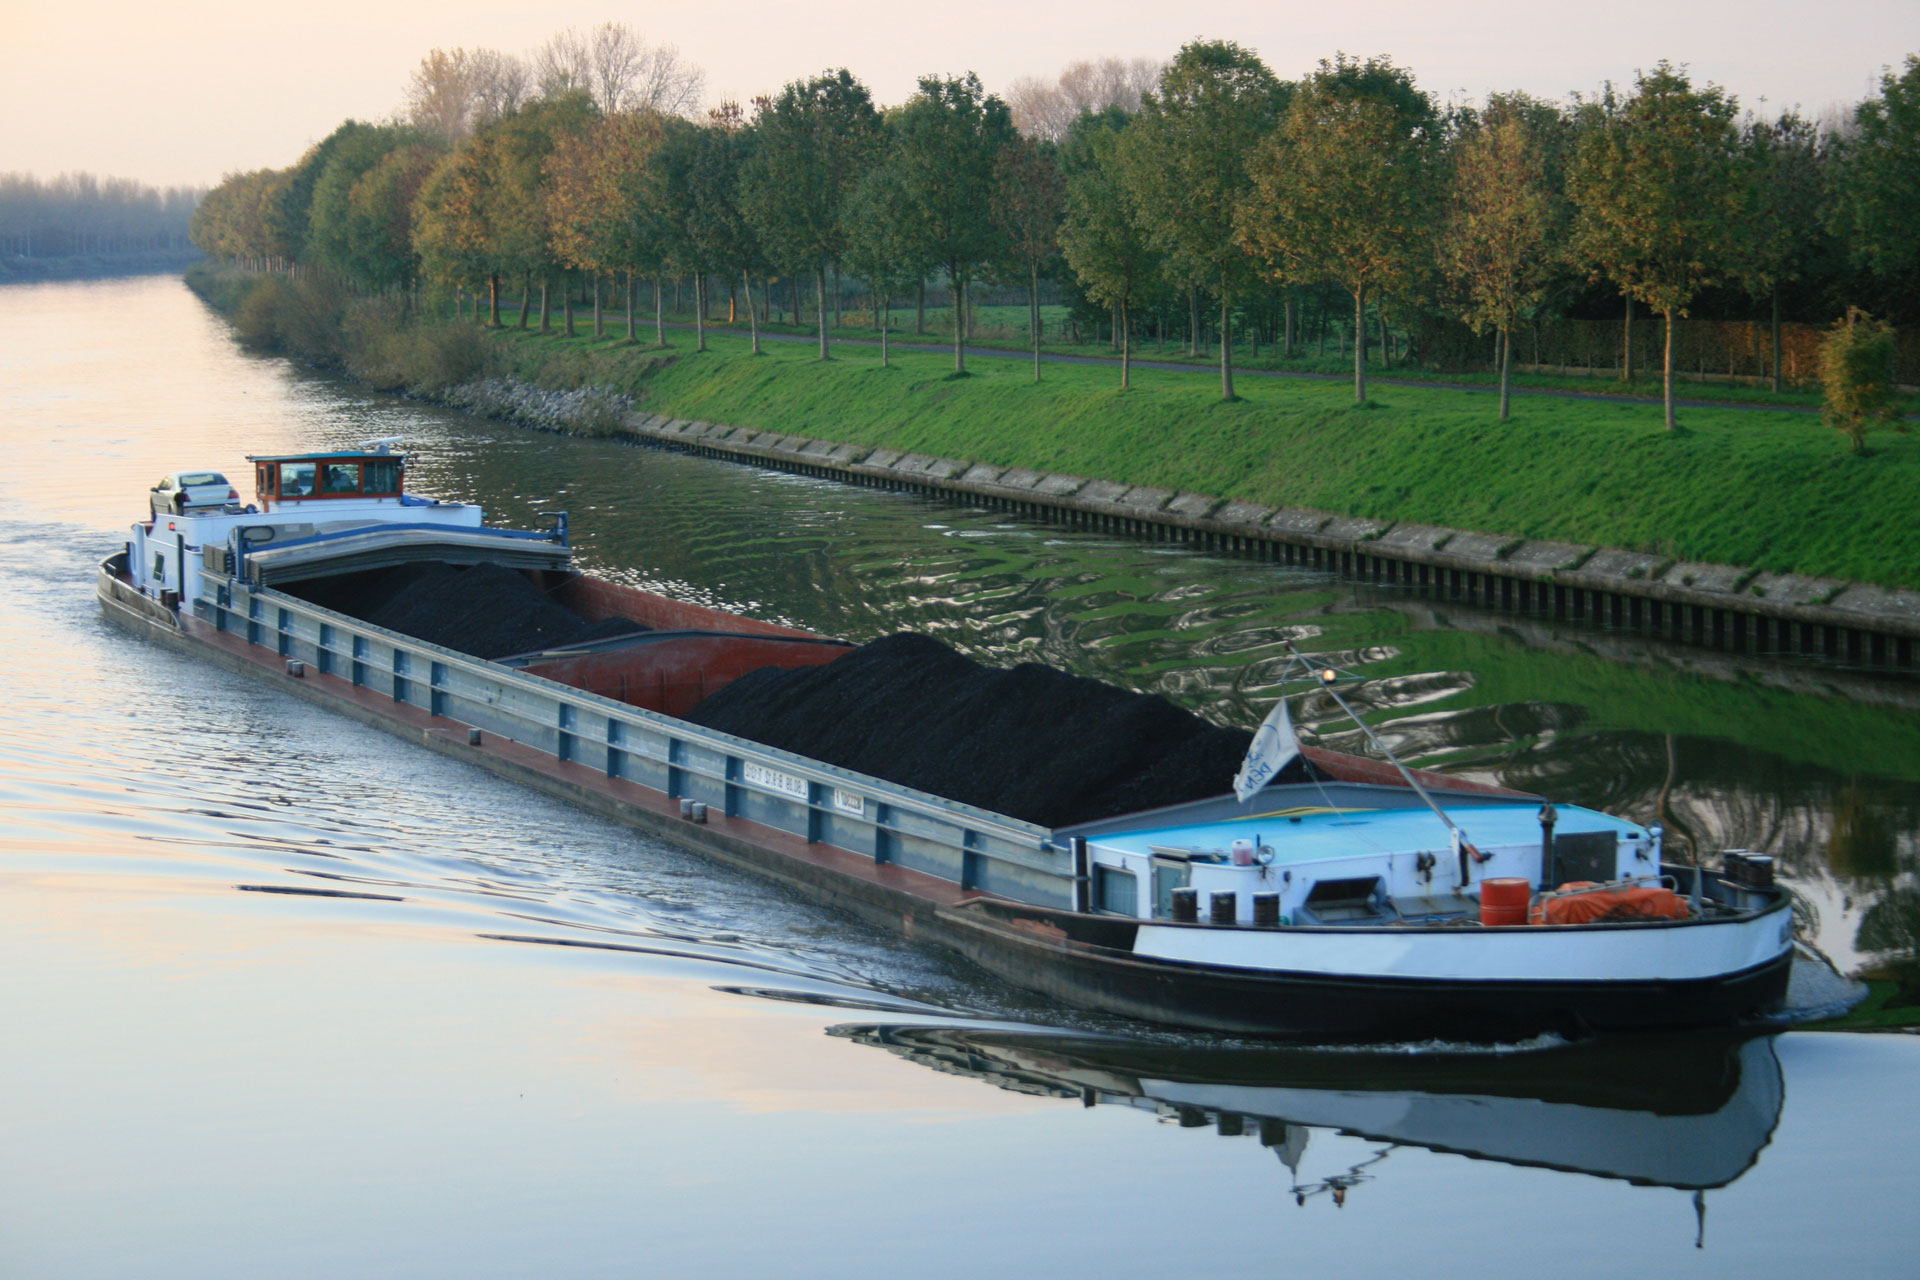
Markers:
1005,328
1774,491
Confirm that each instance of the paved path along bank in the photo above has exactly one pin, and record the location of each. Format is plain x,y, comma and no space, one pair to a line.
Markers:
1720,605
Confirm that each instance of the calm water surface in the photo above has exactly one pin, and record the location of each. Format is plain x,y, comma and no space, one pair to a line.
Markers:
285,996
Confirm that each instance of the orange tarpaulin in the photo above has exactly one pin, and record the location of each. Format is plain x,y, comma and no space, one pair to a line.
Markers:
1584,902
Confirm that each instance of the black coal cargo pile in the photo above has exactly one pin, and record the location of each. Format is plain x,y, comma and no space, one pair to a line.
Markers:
483,609
1027,741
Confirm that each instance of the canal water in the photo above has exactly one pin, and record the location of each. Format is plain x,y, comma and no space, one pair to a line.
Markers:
283,995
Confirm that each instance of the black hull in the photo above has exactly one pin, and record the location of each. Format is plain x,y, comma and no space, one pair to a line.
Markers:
1317,1007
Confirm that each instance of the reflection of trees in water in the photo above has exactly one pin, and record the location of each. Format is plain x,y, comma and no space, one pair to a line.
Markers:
1718,795
1892,925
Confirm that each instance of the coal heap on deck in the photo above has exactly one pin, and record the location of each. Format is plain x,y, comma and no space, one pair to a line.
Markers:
1028,741
483,609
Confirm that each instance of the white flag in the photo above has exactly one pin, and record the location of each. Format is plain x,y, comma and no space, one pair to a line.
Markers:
1274,746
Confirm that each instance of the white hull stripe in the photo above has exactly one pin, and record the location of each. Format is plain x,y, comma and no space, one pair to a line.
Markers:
1673,953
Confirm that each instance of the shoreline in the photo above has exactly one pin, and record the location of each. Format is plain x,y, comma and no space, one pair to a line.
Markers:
1723,606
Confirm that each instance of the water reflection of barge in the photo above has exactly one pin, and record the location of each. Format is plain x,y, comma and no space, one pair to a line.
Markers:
1346,901
1690,1111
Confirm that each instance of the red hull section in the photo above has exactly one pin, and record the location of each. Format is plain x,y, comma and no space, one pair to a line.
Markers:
695,651
673,673
595,600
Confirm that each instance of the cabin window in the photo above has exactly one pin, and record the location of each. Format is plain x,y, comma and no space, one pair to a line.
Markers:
296,479
1116,890
263,479
383,476
340,477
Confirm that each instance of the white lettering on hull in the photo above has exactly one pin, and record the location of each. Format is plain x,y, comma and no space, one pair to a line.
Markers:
786,784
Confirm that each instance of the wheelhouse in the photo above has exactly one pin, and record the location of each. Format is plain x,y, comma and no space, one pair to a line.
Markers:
354,475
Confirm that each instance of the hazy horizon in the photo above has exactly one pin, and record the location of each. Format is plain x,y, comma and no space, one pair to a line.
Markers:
182,96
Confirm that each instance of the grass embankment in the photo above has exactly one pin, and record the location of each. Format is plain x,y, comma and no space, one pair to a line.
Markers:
1005,328
1771,491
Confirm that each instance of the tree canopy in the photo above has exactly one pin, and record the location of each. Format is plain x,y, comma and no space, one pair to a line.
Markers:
1185,160
1662,195
1344,190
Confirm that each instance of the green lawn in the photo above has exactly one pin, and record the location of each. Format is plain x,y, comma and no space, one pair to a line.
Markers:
1772,490
1006,327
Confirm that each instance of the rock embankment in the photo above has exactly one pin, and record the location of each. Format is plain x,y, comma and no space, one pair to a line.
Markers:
589,410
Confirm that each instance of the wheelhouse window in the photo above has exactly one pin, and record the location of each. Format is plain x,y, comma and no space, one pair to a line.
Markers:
340,477
381,476
263,478
296,479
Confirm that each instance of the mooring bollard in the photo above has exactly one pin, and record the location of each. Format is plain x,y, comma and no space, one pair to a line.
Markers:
1225,907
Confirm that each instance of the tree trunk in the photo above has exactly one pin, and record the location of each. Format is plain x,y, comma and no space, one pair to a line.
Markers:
820,305
632,298
753,322
886,323
1386,352
1359,347
1626,345
1126,349
959,324
659,315
526,296
1033,313
1226,344
1193,322
546,303
1286,349
920,307
1776,339
599,324
493,300
1666,390
699,311
1506,367
836,295
733,314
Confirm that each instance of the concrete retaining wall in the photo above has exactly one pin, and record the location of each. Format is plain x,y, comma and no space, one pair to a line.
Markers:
1719,605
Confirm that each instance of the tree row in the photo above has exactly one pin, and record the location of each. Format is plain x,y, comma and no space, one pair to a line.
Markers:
1225,198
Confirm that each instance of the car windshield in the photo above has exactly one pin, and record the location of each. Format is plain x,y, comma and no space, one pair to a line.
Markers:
201,477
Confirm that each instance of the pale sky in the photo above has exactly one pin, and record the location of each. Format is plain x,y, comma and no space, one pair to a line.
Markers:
187,91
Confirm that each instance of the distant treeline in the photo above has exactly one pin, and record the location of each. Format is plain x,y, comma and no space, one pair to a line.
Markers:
1222,203
78,215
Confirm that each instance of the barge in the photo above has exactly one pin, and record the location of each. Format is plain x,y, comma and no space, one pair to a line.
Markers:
1348,898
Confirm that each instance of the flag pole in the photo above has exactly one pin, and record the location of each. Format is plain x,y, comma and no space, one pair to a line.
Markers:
1325,677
